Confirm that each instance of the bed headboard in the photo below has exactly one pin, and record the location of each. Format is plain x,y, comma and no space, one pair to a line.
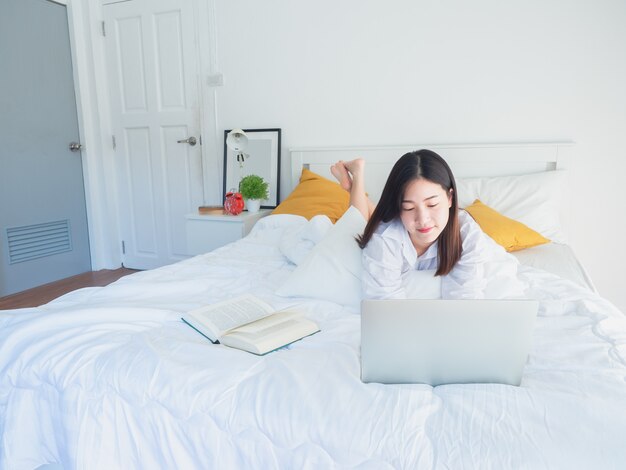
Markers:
465,160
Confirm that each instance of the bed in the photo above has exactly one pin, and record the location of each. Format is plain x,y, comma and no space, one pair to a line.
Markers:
110,377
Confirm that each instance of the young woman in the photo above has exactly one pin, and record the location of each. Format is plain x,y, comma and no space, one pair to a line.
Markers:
417,225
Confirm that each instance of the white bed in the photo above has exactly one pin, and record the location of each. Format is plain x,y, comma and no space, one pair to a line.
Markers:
469,162
111,378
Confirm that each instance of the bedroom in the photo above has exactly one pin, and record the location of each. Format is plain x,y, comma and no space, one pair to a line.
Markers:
495,73
367,74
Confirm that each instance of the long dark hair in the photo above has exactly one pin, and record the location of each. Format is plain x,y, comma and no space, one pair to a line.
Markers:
414,165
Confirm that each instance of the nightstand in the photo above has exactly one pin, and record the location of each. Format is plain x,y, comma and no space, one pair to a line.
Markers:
206,232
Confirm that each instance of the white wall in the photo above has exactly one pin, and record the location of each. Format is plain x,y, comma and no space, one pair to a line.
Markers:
401,72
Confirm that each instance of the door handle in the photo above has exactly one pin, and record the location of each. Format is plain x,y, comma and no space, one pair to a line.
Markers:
75,146
191,141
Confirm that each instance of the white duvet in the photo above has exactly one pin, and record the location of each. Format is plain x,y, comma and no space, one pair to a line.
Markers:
110,377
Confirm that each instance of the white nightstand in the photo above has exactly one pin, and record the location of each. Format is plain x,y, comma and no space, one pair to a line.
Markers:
208,232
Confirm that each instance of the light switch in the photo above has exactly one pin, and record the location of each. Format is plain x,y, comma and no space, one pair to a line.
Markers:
216,79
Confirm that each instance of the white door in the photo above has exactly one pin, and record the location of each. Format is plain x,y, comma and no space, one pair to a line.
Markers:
43,219
153,74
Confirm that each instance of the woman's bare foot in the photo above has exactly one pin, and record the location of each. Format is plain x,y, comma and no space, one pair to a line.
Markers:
346,171
351,178
340,172
355,167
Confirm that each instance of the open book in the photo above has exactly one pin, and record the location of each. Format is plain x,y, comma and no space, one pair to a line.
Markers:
250,324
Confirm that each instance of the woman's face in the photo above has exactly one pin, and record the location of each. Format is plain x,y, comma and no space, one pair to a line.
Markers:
425,212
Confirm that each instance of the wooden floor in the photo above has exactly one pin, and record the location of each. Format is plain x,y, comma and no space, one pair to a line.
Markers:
44,294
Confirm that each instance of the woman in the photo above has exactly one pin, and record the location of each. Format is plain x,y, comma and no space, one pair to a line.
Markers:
417,226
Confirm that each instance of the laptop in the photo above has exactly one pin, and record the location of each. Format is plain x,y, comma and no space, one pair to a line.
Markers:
440,342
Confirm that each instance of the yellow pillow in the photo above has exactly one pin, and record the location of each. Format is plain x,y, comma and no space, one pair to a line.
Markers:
509,233
315,195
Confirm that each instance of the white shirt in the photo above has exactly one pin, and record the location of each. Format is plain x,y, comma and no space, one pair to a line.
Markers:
389,255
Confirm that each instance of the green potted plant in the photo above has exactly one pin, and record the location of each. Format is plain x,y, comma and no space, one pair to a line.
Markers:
254,189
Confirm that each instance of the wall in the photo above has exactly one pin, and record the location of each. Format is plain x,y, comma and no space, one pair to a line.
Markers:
361,72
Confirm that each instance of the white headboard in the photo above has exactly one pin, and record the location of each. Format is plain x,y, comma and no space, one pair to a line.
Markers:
465,160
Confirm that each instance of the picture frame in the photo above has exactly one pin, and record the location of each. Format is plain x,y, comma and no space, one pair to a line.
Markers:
263,159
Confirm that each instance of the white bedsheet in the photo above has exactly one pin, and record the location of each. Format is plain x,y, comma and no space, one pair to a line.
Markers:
111,378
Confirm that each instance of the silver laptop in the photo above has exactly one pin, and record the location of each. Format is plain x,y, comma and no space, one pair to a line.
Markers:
445,341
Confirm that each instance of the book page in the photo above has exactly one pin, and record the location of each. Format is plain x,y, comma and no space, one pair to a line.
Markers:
267,325
270,333
224,316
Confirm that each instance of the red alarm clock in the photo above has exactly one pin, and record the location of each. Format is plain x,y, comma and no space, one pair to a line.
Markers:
233,203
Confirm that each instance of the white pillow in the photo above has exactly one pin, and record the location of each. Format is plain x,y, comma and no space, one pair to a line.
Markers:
333,269
297,241
533,199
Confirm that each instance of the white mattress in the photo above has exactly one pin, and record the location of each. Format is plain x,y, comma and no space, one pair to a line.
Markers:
111,378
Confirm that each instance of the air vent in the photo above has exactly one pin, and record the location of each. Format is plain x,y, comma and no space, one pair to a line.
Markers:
37,241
